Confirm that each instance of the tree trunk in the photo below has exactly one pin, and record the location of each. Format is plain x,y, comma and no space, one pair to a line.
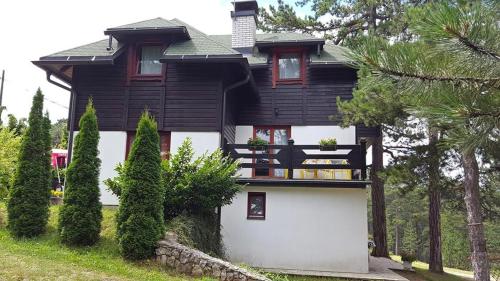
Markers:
479,256
378,200
435,256
396,243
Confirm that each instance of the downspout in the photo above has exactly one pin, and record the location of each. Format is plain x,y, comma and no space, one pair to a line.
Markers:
223,121
224,101
71,113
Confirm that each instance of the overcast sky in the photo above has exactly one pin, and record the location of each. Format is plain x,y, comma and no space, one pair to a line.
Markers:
31,29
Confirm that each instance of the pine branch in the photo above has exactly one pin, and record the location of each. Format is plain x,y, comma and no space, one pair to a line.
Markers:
471,45
434,78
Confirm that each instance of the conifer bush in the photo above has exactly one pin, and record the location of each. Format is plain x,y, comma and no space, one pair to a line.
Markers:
29,198
80,216
140,215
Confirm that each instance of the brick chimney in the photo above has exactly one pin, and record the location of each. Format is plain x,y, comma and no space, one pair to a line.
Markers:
244,24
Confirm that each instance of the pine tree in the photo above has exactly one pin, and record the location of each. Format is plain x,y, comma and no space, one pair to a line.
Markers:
454,74
28,205
140,216
80,216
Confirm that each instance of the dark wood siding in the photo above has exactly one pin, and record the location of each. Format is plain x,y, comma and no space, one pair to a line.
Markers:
193,98
312,104
190,100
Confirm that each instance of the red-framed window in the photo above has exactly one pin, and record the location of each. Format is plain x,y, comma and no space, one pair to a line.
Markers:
256,207
144,62
289,66
273,135
164,144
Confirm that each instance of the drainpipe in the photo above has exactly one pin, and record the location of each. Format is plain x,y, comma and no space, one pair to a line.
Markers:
71,113
223,121
224,101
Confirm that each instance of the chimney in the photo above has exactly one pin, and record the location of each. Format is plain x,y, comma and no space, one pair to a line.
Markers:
244,24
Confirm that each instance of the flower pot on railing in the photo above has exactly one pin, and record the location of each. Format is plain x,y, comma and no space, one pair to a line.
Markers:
258,148
329,144
257,144
328,147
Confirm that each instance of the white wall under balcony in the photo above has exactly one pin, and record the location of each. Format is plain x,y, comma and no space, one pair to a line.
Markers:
313,134
202,141
305,229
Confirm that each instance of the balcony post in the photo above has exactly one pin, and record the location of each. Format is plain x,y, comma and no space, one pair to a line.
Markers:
290,158
362,144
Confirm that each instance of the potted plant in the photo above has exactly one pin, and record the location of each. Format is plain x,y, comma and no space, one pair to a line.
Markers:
56,197
328,144
408,257
257,144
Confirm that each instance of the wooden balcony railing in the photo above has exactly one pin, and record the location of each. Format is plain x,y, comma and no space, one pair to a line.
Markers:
291,156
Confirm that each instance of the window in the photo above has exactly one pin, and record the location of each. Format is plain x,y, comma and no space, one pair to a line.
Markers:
288,66
148,60
256,208
164,144
144,62
273,135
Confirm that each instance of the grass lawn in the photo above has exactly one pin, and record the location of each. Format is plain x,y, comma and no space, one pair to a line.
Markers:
422,273
45,258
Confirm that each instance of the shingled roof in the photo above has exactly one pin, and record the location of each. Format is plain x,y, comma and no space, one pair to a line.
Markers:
198,45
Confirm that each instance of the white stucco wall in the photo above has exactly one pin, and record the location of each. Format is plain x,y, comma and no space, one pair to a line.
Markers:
313,134
306,229
202,141
111,152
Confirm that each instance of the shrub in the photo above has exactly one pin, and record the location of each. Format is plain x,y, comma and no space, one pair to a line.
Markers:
10,143
197,232
29,198
55,193
140,215
199,186
408,256
80,216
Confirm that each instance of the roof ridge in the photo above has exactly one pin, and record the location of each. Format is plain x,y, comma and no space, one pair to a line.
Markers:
157,18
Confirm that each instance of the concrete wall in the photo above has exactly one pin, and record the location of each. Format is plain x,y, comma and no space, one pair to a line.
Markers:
202,141
111,152
305,229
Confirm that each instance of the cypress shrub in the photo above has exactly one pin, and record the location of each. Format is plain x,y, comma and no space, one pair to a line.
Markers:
29,198
140,215
80,216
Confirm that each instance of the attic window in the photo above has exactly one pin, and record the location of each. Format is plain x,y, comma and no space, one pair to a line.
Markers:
288,66
149,60
144,62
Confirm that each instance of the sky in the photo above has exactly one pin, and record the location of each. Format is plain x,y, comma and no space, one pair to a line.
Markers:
31,29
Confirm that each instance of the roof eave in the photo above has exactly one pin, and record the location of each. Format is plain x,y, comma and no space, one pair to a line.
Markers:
331,64
117,32
203,58
289,43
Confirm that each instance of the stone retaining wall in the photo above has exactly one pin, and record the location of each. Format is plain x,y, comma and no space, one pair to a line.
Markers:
196,263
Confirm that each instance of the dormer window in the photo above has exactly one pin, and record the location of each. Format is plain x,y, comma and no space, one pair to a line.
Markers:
144,62
288,66
148,57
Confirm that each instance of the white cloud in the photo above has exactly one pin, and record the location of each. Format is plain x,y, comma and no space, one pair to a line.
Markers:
31,29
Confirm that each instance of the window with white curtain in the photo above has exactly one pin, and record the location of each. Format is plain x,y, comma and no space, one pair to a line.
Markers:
149,60
289,66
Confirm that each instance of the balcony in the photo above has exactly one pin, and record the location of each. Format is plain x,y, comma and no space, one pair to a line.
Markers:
301,165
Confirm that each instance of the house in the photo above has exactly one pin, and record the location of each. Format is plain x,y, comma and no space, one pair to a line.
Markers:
303,210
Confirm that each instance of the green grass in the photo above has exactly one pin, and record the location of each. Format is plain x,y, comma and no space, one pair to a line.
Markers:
45,258
450,274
